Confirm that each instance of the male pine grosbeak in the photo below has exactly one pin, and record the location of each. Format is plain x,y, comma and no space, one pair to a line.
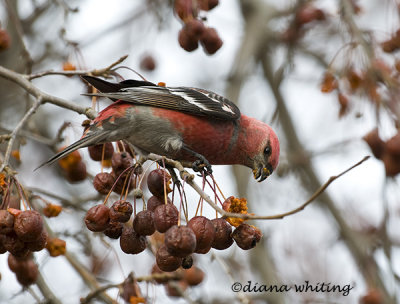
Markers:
185,124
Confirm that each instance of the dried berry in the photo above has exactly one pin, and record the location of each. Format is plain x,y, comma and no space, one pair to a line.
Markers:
40,243
393,145
123,183
246,236
71,160
193,276
97,218
143,223
5,40
187,42
96,152
148,63
28,274
121,211
114,230
120,161
376,144
76,173
155,201
56,247
165,261
204,231
131,242
195,29
180,241
6,222
211,41
28,225
14,245
207,5
103,182
222,237
392,164
176,289
2,240
52,210
165,216
187,262
14,263
184,9
157,180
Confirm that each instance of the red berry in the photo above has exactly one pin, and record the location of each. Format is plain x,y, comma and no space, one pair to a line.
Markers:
6,222
211,41
5,40
121,211
187,42
193,276
97,218
131,242
207,5
246,236
40,243
204,231
165,261
157,180
222,237
180,241
195,29
76,173
103,182
376,144
148,63
120,161
155,201
96,152
28,225
143,223
165,216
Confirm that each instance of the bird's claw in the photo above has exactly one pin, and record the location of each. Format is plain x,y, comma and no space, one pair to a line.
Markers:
202,165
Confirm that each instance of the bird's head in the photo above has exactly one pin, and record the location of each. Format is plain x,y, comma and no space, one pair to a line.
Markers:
262,148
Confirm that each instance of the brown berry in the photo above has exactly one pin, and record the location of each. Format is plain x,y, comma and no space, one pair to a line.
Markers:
28,274
187,262
165,216
193,276
195,28
187,42
120,161
204,231
376,144
6,222
97,218
40,243
373,296
392,164
211,41
103,182
165,261
155,201
131,242
246,236
148,63
28,225
56,247
180,241
114,230
14,245
14,263
222,237
184,9
175,289
76,173
207,5
2,240
156,181
71,160
5,40
123,183
156,270
393,145
96,152
143,223
121,211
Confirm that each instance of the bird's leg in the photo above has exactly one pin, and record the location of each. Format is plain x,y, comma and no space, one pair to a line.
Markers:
174,177
201,163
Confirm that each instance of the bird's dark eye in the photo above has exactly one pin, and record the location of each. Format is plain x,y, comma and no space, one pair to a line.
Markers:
267,151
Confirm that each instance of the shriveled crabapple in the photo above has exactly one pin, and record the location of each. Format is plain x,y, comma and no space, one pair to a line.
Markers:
165,216
180,241
193,276
114,230
96,152
246,236
211,41
97,218
156,180
28,225
103,182
155,201
121,211
120,161
6,222
166,261
131,242
204,231
143,223
222,237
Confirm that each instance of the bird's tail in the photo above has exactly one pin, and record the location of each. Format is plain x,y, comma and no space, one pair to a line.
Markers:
90,139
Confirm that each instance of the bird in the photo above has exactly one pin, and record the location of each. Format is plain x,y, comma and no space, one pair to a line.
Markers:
181,123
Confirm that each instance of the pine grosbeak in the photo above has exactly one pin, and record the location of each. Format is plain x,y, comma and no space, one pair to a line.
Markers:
181,123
